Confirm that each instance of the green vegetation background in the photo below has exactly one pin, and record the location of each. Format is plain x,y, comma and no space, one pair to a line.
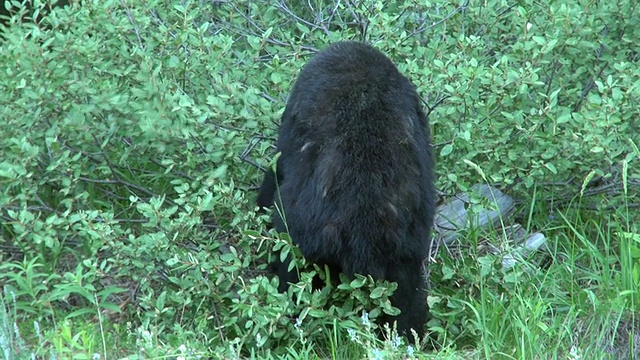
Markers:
132,135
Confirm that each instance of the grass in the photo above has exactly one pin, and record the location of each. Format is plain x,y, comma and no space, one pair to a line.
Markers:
136,238
576,301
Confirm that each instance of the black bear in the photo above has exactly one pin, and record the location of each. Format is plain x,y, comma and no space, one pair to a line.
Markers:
354,182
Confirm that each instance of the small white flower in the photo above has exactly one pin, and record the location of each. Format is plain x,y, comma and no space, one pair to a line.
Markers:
410,350
377,354
574,353
396,342
352,334
36,326
365,319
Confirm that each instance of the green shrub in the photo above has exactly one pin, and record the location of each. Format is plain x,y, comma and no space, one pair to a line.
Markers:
130,131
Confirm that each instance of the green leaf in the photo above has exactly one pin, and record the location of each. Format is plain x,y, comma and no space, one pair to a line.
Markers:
446,150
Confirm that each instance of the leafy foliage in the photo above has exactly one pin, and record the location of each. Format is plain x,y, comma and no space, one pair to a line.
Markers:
130,131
